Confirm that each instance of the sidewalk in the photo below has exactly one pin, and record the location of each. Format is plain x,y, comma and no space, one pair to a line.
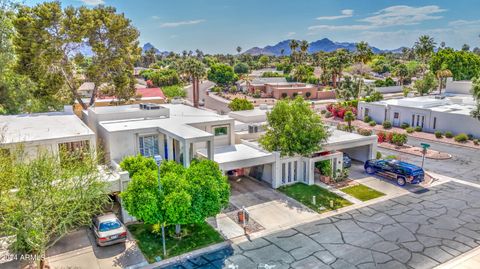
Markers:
469,260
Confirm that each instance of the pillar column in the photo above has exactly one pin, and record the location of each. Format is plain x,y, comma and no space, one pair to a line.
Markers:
186,154
210,149
170,147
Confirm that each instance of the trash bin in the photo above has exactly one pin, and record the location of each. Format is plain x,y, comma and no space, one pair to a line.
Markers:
240,216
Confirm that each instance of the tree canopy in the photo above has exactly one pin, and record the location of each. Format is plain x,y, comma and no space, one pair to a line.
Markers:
46,196
294,129
222,74
464,65
48,37
238,104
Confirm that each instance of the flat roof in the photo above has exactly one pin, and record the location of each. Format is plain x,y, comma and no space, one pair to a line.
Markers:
250,113
179,122
458,104
338,137
42,126
234,153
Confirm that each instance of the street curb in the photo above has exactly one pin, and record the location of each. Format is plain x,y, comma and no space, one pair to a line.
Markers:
406,152
186,256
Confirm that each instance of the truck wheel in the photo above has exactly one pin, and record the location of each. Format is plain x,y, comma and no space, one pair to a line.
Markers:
401,181
370,170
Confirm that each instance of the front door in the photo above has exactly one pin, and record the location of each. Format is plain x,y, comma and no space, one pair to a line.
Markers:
396,119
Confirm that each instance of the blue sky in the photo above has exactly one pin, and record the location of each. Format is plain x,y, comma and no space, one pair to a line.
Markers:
219,26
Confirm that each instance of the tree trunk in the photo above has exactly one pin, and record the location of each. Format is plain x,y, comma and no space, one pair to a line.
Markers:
334,80
94,95
194,92
178,229
198,91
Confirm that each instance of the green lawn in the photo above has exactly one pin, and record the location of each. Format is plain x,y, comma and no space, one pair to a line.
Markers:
304,193
362,192
197,236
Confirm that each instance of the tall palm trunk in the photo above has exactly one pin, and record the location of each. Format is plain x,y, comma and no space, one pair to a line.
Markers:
196,89
194,92
334,80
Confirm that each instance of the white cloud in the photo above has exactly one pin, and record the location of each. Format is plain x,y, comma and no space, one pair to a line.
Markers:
403,15
459,23
93,2
180,23
346,13
339,27
290,34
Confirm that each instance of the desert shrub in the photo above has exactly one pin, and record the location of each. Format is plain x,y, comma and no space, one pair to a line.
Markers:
462,138
367,119
410,130
438,134
365,132
328,114
323,112
389,137
379,155
284,95
308,94
394,157
399,139
387,124
470,137
448,134
418,128
475,142
405,125
372,123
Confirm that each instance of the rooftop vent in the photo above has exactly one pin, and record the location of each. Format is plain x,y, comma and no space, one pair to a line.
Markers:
149,106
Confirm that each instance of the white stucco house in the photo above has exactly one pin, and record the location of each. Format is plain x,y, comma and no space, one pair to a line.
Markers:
45,131
448,112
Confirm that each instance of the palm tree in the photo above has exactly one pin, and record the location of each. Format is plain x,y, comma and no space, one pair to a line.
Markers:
293,47
401,72
239,49
466,47
195,70
336,63
424,48
304,47
363,53
282,51
442,76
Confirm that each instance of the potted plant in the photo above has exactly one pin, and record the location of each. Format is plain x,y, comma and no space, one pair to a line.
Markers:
325,168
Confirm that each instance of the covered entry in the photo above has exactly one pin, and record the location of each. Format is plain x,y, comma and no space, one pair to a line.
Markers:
358,147
242,159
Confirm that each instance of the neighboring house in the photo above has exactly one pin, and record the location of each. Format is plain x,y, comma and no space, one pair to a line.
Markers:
45,131
432,113
86,89
279,88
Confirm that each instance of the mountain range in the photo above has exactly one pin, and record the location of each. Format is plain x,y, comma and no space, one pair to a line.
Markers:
324,44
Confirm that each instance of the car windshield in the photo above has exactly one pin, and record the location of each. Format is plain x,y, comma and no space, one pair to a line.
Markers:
109,225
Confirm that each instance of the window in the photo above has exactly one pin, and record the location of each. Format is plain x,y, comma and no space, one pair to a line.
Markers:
219,131
305,171
367,110
413,120
295,171
289,172
396,115
283,173
434,122
148,145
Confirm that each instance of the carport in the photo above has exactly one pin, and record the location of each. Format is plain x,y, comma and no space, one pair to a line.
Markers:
358,147
245,160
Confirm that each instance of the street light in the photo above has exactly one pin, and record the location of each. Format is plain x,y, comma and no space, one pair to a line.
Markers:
158,159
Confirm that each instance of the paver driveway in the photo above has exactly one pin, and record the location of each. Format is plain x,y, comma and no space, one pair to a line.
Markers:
412,231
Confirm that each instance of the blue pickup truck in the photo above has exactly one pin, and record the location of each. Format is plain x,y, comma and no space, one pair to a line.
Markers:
401,171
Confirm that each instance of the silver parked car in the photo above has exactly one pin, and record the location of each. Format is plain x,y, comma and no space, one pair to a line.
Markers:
108,230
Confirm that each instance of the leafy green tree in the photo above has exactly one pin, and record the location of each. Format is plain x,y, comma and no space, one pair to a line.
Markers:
44,198
425,85
162,77
476,95
464,65
294,129
222,74
363,53
352,88
349,117
241,68
174,91
302,73
47,35
134,164
238,104
264,60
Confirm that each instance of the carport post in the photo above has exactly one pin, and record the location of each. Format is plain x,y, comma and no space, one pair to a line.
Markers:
158,160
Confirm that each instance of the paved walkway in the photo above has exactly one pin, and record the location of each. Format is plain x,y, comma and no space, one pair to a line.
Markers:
417,230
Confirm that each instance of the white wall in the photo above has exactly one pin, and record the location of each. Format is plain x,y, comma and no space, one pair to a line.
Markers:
376,111
458,87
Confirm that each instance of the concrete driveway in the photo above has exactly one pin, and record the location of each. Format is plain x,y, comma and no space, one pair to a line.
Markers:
270,208
79,250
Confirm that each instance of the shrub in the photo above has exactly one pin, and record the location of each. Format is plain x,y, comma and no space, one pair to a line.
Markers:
394,157
475,142
367,119
405,125
389,137
470,137
328,114
448,134
365,132
372,123
387,124
381,137
323,111
284,95
174,91
410,130
308,94
238,104
462,138
418,128
438,134
399,139
379,155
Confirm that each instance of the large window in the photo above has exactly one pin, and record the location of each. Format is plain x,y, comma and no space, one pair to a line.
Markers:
221,130
148,145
